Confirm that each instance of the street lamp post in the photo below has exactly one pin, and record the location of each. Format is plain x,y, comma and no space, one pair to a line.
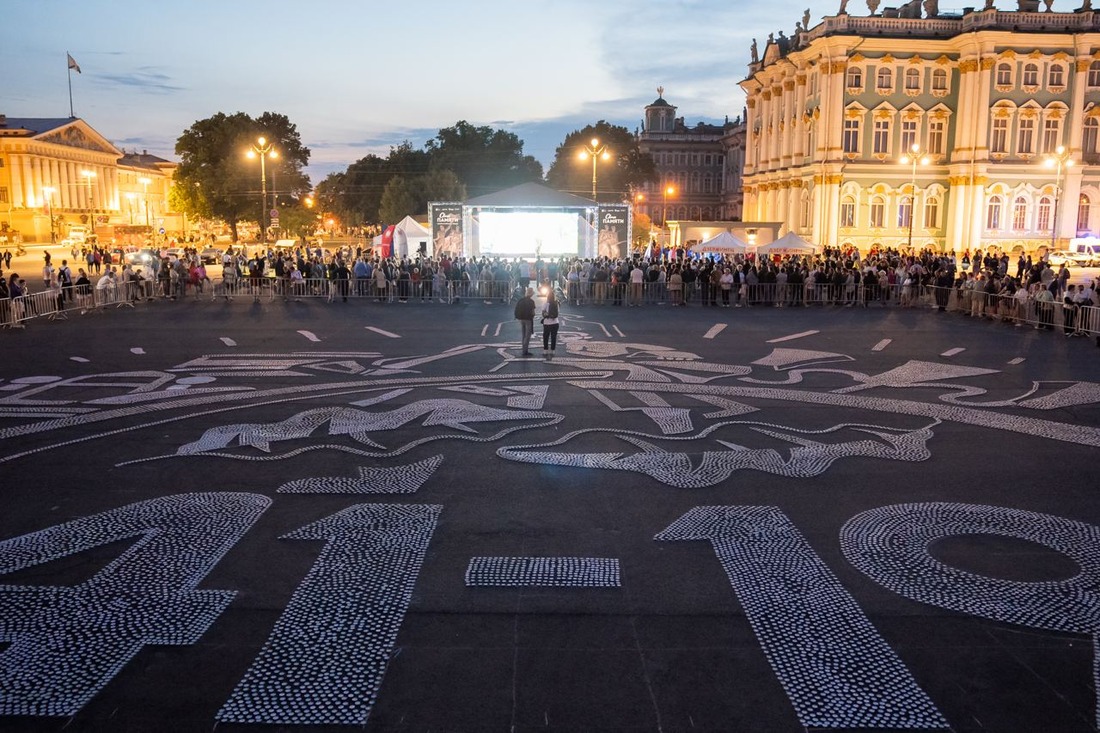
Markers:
263,149
130,205
89,176
47,195
915,158
595,151
145,196
668,191
1061,160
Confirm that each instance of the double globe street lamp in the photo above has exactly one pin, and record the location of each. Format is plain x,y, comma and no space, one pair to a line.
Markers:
263,149
596,151
1061,160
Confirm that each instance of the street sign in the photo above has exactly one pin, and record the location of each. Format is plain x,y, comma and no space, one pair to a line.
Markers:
274,213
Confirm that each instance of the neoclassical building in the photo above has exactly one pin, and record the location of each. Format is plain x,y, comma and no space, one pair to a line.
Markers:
989,97
701,165
64,168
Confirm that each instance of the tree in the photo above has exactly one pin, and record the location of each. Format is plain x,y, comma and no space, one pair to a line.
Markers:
356,194
215,179
405,196
483,159
629,167
641,230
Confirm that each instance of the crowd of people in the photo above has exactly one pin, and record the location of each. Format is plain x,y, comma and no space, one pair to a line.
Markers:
989,285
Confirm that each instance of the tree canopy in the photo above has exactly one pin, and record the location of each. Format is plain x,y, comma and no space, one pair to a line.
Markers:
484,159
628,167
216,179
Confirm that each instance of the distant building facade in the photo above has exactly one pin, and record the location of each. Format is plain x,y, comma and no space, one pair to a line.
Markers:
989,98
64,169
698,168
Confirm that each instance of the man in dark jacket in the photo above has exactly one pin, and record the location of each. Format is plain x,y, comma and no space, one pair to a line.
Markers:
525,314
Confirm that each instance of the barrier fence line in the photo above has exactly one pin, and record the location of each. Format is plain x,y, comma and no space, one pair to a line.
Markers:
58,303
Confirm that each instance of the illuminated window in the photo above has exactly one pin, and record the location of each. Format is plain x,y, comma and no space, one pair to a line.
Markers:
935,136
1056,77
1083,206
908,134
998,135
1042,222
1019,214
905,211
851,134
931,213
847,212
885,79
1025,143
993,213
912,79
878,212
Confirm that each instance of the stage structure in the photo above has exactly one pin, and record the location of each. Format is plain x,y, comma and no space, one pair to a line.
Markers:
530,221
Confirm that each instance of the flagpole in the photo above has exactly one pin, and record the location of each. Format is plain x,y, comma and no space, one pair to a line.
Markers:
69,72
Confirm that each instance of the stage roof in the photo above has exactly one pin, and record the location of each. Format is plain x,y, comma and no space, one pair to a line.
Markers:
531,194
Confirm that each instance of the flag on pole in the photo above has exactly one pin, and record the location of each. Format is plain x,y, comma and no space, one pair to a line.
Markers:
72,63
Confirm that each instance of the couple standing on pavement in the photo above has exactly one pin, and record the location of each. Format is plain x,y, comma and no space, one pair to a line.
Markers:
525,314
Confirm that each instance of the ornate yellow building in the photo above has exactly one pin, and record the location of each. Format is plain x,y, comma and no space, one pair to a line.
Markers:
64,169
1002,106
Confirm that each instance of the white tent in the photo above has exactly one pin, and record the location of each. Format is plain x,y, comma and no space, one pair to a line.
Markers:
789,244
410,238
724,243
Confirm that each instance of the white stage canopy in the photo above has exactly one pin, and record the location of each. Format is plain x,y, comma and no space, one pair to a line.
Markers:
789,244
724,243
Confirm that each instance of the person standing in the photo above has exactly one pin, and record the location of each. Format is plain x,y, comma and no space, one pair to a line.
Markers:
550,325
525,314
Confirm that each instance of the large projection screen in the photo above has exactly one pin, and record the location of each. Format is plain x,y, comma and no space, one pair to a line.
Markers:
509,234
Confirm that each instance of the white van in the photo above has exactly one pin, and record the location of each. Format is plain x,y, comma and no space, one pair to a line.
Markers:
1086,250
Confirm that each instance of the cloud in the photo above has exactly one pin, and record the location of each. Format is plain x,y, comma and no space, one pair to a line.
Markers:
146,79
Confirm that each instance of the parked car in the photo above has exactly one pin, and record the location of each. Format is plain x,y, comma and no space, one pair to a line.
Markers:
1064,257
211,256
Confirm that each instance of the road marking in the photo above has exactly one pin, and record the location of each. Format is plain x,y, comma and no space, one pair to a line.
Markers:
604,329
1017,360
952,352
497,332
137,350
543,572
715,330
619,332
81,359
310,335
881,345
376,330
228,341
485,329
793,336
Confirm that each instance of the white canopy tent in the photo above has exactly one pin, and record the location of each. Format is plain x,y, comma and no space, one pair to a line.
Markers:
724,243
410,238
789,244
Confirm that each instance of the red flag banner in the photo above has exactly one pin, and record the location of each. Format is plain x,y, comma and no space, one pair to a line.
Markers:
72,63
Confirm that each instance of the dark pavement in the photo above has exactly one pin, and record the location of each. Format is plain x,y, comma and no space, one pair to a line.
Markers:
313,516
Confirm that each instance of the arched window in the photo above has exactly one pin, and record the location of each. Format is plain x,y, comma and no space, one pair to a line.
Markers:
885,79
1083,206
1042,219
1004,75
1019,214
1031,75
1094,74
1056,76
1090,137
854,78
905,210
931,212
912,79
939,80
847,212
993,213
878,212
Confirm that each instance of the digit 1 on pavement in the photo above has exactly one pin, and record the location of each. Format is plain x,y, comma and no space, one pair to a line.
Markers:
68,642
325,659
836,669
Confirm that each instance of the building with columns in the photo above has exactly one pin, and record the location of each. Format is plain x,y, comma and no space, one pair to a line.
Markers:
64,169
698,168
1003,108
